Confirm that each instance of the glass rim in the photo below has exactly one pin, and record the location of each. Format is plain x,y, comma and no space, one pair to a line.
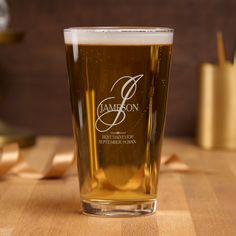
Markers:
119,35
119,29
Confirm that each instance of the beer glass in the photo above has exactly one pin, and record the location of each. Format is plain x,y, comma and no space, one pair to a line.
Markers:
118,80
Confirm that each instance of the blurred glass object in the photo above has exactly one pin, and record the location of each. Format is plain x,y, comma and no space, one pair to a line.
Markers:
4,15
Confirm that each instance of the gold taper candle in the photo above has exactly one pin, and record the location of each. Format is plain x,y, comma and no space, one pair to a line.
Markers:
216,126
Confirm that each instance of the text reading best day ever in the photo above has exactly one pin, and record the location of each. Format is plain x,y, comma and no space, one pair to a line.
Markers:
117,139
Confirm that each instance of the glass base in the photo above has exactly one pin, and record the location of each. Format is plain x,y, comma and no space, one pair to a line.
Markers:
120,209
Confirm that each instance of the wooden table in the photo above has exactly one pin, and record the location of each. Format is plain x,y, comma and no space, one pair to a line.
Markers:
201,202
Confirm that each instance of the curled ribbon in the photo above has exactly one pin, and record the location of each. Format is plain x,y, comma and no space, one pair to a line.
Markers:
173,162
12,162
8,158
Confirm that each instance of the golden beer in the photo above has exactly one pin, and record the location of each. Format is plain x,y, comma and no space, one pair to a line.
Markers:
118,87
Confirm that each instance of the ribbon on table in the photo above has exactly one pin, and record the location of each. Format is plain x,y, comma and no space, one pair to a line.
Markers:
173,162
12,162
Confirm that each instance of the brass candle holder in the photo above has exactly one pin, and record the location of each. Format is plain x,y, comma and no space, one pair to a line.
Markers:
10,134
216,126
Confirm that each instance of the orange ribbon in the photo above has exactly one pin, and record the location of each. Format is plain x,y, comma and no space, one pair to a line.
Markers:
12,162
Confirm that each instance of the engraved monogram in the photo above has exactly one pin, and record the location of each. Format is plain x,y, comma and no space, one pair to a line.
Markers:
106,107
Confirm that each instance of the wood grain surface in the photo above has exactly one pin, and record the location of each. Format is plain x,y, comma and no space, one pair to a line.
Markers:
201,202
33,75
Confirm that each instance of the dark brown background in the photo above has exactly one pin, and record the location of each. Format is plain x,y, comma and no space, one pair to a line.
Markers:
33,77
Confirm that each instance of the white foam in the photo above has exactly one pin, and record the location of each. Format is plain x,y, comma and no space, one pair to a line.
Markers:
118,36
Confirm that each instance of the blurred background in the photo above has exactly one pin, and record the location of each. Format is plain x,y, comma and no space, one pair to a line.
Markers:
33,76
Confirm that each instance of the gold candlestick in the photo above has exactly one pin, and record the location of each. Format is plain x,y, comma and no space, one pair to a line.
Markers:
9,134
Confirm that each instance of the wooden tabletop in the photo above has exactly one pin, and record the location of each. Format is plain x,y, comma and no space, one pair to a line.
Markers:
200,202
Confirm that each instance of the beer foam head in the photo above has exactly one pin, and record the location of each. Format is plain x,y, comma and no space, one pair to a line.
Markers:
118,36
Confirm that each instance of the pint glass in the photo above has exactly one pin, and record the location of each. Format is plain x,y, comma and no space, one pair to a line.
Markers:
118,80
